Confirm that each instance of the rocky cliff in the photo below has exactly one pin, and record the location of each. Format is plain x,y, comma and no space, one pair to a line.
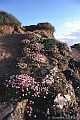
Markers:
39,77
76,51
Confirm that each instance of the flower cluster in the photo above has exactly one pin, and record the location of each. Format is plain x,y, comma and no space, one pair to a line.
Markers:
40,58
40,95
22,80
26,85
38,46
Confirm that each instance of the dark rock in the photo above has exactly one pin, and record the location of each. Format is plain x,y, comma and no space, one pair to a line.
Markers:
77,46
5,110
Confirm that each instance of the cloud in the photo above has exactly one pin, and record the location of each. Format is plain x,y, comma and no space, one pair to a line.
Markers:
71,38
73,25
71,34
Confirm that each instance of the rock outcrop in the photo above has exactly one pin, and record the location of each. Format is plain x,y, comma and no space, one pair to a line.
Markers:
39,77
8,23
43,29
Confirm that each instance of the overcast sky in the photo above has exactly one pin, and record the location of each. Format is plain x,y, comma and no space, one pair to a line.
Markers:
63,14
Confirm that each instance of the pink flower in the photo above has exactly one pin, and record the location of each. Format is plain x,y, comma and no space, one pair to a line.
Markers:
22,80
39,46
40,58
24,83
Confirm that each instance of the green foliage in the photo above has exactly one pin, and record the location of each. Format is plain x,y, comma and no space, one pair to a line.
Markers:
8,19
49,43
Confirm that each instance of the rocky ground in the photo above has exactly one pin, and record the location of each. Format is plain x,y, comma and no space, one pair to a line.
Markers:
39,75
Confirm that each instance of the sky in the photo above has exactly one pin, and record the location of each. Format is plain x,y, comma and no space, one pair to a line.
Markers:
63,14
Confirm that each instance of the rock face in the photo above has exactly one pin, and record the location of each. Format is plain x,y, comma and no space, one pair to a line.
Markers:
39,77
9,51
